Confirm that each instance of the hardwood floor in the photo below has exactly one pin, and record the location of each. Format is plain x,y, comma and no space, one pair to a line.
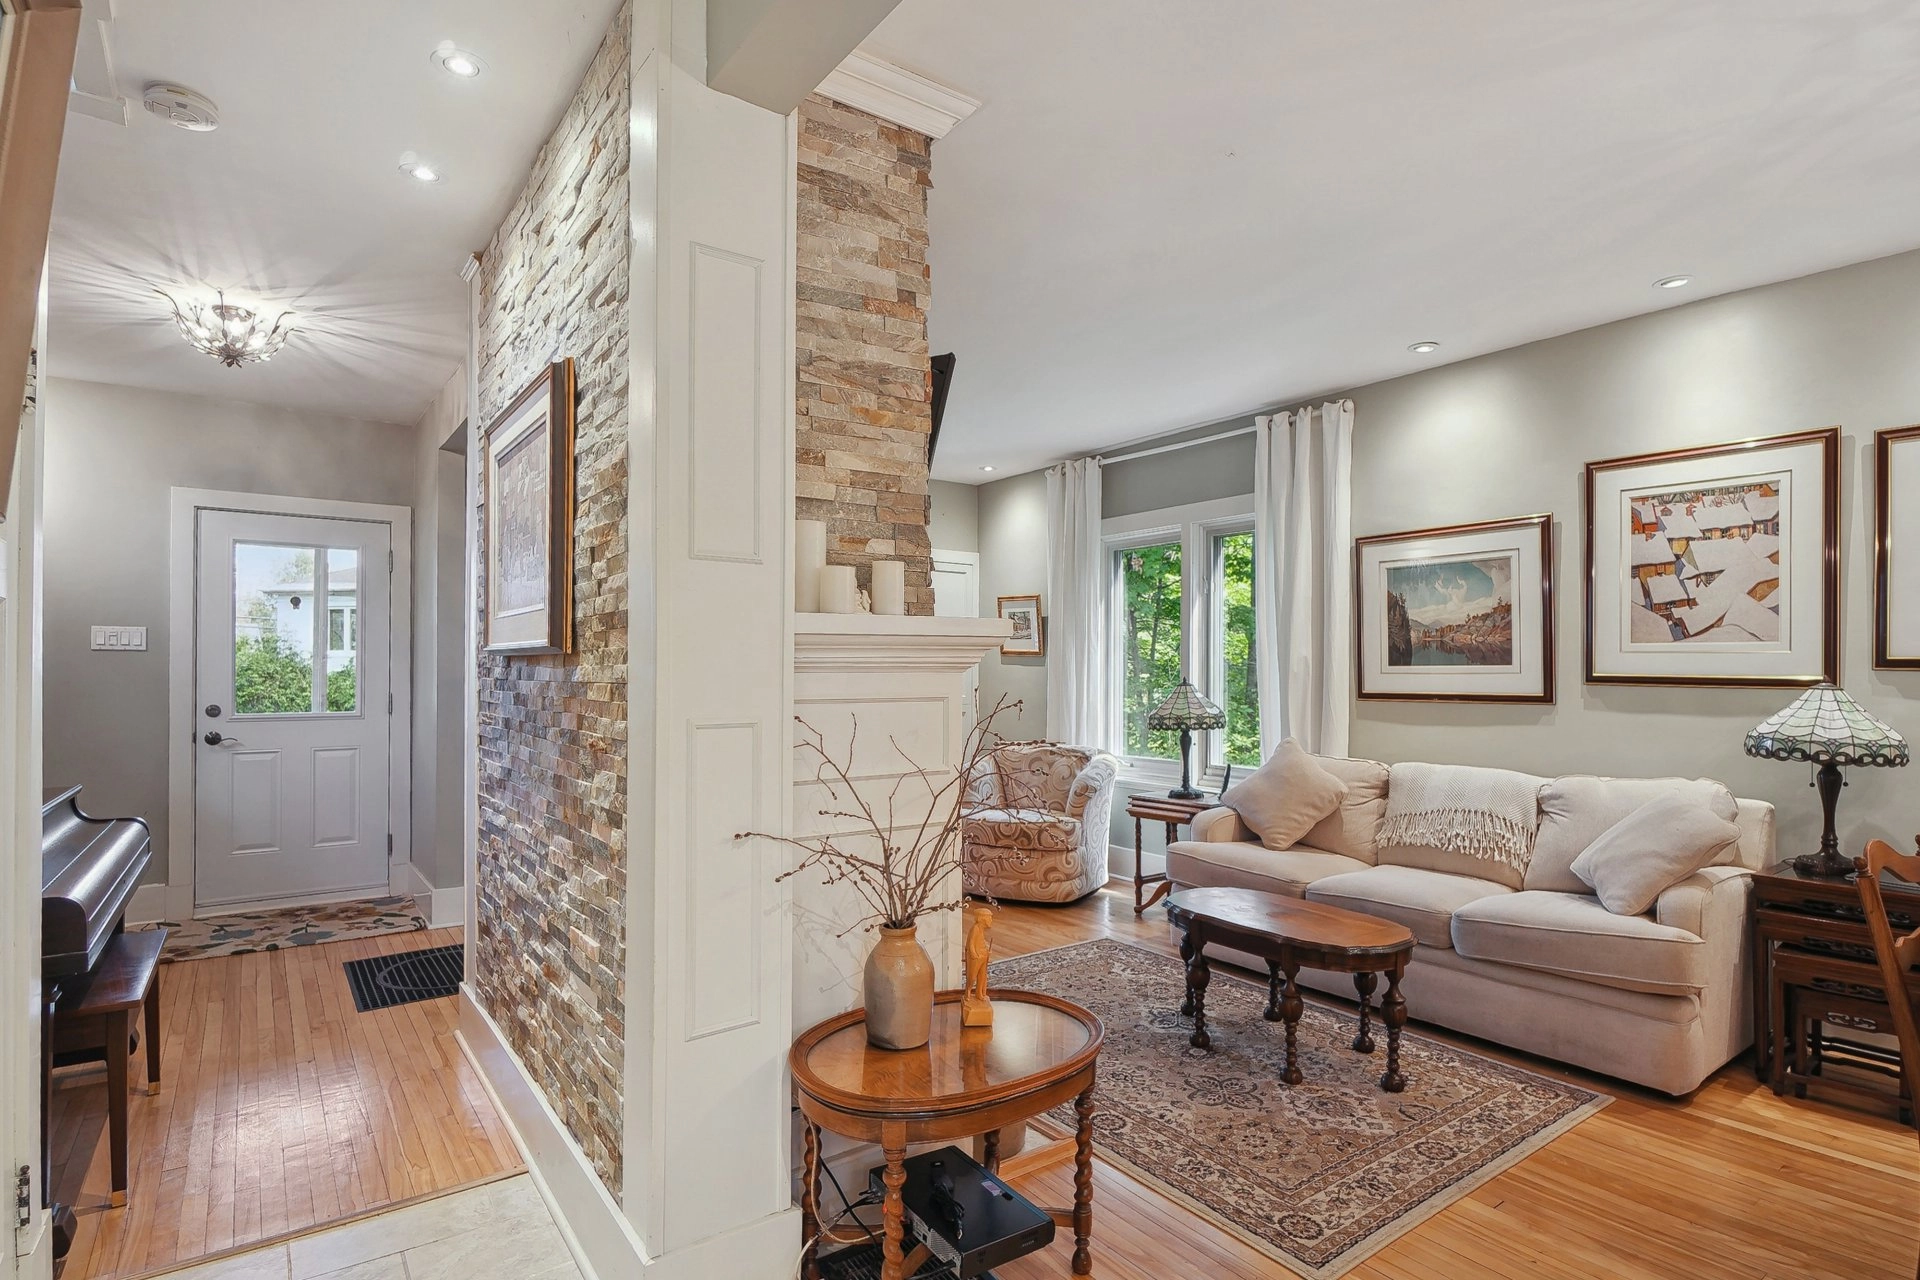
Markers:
281,1108
1730,1184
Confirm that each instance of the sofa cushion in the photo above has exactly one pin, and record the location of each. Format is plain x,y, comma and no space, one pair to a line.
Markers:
1424,901
1573,935
1022,829
1658,844
1286,797
1353,828
1244,865
1461,864
1575,810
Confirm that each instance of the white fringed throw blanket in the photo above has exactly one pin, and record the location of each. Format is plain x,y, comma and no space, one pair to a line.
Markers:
1483,813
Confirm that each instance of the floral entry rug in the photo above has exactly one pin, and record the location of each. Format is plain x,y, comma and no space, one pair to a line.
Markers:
279,928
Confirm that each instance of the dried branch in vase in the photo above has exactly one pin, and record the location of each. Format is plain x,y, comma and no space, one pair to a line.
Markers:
911,868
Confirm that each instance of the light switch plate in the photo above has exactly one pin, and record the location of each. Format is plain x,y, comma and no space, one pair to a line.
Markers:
120,639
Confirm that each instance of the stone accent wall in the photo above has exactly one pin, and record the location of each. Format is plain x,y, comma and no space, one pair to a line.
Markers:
550,960
865,386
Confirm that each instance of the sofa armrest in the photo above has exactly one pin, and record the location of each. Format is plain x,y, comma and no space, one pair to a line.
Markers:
1220,825
1709,899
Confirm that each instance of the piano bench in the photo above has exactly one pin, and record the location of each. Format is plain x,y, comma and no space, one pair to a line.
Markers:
94,1022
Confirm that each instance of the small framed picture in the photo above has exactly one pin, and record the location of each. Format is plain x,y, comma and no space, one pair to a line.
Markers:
1896,549
526,511
1717,565
1029,638
1457,614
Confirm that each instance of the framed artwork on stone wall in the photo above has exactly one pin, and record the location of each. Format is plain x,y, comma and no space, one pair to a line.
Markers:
526,515
1896,549
1457,614
1717,565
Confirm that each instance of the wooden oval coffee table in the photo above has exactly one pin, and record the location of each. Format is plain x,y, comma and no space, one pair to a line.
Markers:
1039,1052
1292,934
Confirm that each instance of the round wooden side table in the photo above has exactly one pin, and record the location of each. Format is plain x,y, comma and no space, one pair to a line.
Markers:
1039,1052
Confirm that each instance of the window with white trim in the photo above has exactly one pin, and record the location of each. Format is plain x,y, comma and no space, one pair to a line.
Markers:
1181,605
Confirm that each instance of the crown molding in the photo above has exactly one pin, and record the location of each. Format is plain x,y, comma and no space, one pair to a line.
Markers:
897,95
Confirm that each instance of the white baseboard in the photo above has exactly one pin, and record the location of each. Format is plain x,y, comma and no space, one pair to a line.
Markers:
1120,861
404,879
148,905
449,907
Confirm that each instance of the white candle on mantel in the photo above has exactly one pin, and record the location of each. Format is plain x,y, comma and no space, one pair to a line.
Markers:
839,593
890,587
809,558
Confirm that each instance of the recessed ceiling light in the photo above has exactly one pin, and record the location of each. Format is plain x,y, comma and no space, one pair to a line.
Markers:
417,169
1425,347
1673,282
986,468
457,62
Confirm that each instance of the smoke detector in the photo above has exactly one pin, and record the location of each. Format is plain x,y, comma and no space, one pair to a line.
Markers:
182,107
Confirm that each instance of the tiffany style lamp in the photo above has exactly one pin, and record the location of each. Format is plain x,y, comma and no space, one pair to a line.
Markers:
1830,729
1186,711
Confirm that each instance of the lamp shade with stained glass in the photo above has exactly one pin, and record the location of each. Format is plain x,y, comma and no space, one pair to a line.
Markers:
1186,710
1826,727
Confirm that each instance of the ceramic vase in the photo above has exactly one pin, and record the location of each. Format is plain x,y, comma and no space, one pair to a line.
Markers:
899,991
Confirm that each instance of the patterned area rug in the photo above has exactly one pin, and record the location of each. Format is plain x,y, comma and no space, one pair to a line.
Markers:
283,927
1319,1176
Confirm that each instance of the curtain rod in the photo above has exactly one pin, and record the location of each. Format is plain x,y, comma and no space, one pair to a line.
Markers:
1200,440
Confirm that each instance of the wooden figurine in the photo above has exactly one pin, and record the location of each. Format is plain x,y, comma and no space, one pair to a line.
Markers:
975,1009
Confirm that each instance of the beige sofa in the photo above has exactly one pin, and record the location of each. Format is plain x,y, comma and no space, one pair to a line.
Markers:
1529,959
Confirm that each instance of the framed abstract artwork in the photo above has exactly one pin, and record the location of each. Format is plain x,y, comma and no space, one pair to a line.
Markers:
1896,549
526,505
1457,614
1717,565
1029,639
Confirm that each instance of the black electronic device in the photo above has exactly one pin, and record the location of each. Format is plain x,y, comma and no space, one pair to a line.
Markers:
968,1218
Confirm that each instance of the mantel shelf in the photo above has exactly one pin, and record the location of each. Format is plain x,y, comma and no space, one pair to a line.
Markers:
877,642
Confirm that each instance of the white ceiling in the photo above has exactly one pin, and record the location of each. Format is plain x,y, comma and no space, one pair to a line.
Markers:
1168,213
297,199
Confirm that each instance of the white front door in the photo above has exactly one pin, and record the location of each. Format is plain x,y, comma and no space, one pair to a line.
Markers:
292,707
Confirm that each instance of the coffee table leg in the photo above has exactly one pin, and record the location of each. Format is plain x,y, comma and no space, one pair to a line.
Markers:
1198,976
1393,1012
1083,1184
1291,1007
1272,1013
1186,966
1364,984
810,1200
893,1142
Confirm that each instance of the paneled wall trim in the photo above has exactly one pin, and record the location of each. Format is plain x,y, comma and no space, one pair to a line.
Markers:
864,390
549,942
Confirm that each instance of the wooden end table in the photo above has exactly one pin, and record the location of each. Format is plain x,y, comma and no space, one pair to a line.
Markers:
1039,1052
1291,934
1176,814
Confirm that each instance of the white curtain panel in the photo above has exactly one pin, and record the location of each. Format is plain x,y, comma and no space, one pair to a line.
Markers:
1303,576
1079,695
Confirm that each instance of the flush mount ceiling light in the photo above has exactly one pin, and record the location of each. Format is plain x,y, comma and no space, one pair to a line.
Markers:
456,61
1424,347
419,170
1673,282
232,334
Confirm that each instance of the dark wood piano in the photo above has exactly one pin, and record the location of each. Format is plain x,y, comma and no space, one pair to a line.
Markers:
89,868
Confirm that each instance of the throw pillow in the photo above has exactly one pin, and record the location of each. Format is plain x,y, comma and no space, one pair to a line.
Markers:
1286,797
1659,844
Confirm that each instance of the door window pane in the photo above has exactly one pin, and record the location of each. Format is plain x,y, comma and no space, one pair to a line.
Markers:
273,611
1150,626
343,635
1237,661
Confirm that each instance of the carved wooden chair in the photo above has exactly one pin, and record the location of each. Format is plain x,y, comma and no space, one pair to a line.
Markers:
1896,955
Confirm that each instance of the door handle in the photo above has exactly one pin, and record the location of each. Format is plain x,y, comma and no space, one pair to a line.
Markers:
214,738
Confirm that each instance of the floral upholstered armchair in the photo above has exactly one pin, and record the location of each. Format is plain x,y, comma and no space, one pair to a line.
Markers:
1036,822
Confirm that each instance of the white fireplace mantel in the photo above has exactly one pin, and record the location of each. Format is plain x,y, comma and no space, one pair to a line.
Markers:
829,642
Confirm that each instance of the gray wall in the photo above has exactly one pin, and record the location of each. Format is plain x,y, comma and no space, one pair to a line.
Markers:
1509,434
1013,562
112,455
439,638
953,516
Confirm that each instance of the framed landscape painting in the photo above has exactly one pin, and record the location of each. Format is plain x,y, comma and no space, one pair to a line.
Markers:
1458,614
1029,639
1717,565
1896,549
526,505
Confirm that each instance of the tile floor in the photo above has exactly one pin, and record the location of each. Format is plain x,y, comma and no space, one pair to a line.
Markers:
500,1231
